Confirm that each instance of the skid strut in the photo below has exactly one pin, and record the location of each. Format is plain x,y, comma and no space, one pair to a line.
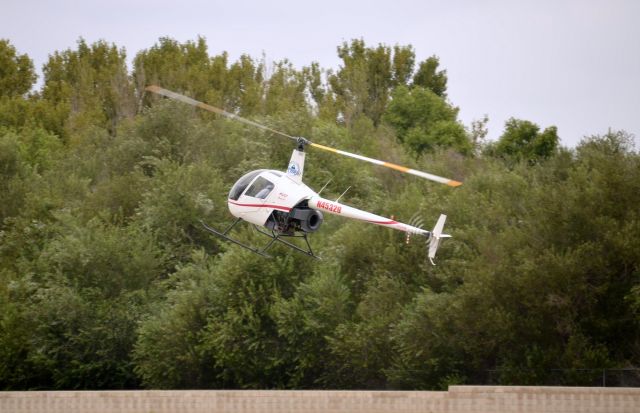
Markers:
279,237
273,235
223,235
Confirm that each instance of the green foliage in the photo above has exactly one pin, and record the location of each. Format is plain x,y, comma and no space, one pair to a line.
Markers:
237,87
181,196
184,67
430,78
241,333
39,149
33,112
107,279
12,173
285,89
364,82
424,121
16,71
166,130
17,371
81,340
361,347
102,257
91,84
442,134
306,321
543,278
522,140
71,321
168,352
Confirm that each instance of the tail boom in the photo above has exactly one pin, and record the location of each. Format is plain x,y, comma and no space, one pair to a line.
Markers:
318,203
336,208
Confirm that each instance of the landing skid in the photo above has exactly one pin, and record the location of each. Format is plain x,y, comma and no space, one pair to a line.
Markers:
273,235
223,235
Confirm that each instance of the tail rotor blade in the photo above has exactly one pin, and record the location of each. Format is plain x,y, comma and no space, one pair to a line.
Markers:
404,169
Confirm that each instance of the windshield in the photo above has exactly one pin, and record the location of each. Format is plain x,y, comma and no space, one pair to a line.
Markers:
242,184
260,189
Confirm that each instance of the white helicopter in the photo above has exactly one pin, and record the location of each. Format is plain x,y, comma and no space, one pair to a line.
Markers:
284,205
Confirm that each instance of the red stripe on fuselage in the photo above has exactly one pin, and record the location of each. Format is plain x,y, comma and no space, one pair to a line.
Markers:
384,222
280,207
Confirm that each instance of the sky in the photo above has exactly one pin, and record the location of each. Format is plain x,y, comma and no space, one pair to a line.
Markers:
574,64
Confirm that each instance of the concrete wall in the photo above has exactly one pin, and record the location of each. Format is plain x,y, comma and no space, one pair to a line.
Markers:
458,399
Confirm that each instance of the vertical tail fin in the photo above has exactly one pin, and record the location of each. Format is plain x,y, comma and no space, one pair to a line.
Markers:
296,166
436,236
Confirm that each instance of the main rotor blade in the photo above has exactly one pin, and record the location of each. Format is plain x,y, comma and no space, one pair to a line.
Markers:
421,174
193,102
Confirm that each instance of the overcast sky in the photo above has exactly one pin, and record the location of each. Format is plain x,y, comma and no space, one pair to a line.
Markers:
570,63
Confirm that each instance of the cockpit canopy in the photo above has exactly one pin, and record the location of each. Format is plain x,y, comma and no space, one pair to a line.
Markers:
260,188
238,188
259,184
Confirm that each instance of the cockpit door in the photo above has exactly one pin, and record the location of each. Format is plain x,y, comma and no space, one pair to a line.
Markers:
255,196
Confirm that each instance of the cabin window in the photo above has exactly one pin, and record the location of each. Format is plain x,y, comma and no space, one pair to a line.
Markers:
260,189
242,184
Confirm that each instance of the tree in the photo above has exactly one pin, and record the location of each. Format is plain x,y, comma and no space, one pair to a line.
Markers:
245,86
363,84
241,332
17,110
16,71
306,321
179,197
184,67
91,84
168,352
533,292
82,340
361,347
285,89
424,121
404,58
13,172
17,371
522,140
430,78
479,131
107,279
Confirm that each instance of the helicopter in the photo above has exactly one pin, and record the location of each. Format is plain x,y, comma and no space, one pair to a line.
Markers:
280,206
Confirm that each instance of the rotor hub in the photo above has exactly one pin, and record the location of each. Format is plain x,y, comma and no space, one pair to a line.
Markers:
301,143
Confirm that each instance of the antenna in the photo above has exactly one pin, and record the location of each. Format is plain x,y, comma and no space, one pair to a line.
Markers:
325,185
345,191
